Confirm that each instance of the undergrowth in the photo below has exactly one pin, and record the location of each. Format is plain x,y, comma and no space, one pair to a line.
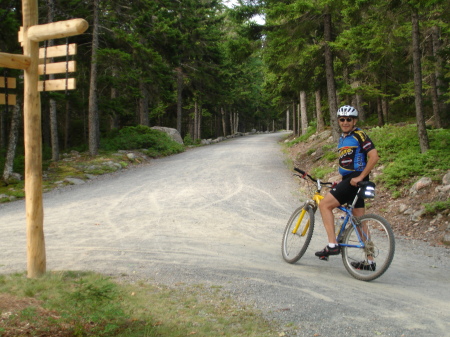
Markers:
63,304
155,142
400,154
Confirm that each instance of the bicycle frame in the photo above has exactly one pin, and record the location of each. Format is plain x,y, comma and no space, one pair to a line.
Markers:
367,241
317,197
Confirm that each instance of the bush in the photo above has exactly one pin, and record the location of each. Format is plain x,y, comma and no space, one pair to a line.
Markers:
156,142
399,151
436,207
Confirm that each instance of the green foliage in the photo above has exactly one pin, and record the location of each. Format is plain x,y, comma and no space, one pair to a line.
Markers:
399,151
156,143
309,132
188,141
321,172
88,304
436,207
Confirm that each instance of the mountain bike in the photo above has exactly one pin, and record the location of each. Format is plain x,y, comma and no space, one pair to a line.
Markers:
369,237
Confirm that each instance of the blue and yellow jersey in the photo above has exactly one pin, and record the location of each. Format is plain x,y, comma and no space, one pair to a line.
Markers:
353,150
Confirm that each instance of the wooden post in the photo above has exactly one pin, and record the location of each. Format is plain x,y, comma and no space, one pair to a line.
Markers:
36,259
30,35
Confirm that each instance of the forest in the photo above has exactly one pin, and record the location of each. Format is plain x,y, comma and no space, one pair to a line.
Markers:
208,68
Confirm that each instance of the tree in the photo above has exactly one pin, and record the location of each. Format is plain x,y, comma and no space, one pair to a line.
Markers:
421,128
94,128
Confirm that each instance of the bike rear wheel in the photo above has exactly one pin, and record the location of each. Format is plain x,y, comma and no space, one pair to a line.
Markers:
294,245
378,237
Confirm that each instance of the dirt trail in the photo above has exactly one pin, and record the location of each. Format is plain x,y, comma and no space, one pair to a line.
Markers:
215,215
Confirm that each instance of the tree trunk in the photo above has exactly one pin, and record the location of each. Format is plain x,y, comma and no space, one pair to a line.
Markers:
52,103
195,128
360,106
294,124
12,143
143,104
331,85
179,97
421,128
94,127
67,125
380,112
436,78
287,119
3,115
199,122
224,124
319,116
303,112
385,109
54,130
113,119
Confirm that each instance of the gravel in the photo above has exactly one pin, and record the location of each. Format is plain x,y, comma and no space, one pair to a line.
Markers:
215,215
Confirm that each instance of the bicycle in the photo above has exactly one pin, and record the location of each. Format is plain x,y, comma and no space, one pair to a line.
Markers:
367,237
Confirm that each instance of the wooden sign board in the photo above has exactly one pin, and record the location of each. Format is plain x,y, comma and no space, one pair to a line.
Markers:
57,68
11,99
8,82
57,51
57,85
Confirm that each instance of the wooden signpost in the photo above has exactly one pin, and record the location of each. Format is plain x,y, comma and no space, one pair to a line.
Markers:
6,98
30,35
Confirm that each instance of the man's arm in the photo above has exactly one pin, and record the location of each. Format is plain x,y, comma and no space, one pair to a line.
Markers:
372,159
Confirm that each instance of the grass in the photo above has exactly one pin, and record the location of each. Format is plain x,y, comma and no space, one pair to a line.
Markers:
88,304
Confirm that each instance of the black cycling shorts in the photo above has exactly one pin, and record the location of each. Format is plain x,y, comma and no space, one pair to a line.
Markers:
345,193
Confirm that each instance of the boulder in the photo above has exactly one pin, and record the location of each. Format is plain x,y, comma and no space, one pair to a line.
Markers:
421,183
173,133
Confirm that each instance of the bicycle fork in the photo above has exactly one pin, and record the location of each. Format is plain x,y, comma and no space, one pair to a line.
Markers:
297,225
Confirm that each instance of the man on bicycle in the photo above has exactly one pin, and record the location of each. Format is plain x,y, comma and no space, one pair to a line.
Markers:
357,157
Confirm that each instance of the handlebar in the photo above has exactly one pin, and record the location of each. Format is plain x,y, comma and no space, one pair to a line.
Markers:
304,175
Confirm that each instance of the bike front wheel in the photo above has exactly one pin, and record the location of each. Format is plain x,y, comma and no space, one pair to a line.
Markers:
378,237
297,234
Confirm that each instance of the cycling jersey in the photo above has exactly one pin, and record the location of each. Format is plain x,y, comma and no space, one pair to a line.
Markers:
353,149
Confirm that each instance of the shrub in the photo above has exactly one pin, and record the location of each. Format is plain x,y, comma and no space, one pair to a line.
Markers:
399,151
156,142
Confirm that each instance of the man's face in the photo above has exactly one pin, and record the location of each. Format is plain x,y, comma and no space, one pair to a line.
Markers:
347,123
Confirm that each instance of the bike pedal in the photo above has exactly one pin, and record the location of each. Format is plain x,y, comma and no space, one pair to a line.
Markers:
323,258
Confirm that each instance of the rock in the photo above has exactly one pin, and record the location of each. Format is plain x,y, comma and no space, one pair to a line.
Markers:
408,211
205,142
173,133
131,156
416,215
446,179
443,189
446,239
74,181
436,219
402,208
421,183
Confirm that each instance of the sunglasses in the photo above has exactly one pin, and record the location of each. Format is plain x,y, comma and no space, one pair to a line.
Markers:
348,119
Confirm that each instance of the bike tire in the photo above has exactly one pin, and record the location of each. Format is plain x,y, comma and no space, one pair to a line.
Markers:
293,246
380,244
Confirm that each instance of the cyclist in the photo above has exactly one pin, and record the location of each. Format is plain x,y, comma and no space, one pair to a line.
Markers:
357,157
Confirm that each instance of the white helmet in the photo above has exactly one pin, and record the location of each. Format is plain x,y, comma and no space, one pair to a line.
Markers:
348,111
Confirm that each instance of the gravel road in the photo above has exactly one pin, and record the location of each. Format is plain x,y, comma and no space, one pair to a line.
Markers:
215,215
